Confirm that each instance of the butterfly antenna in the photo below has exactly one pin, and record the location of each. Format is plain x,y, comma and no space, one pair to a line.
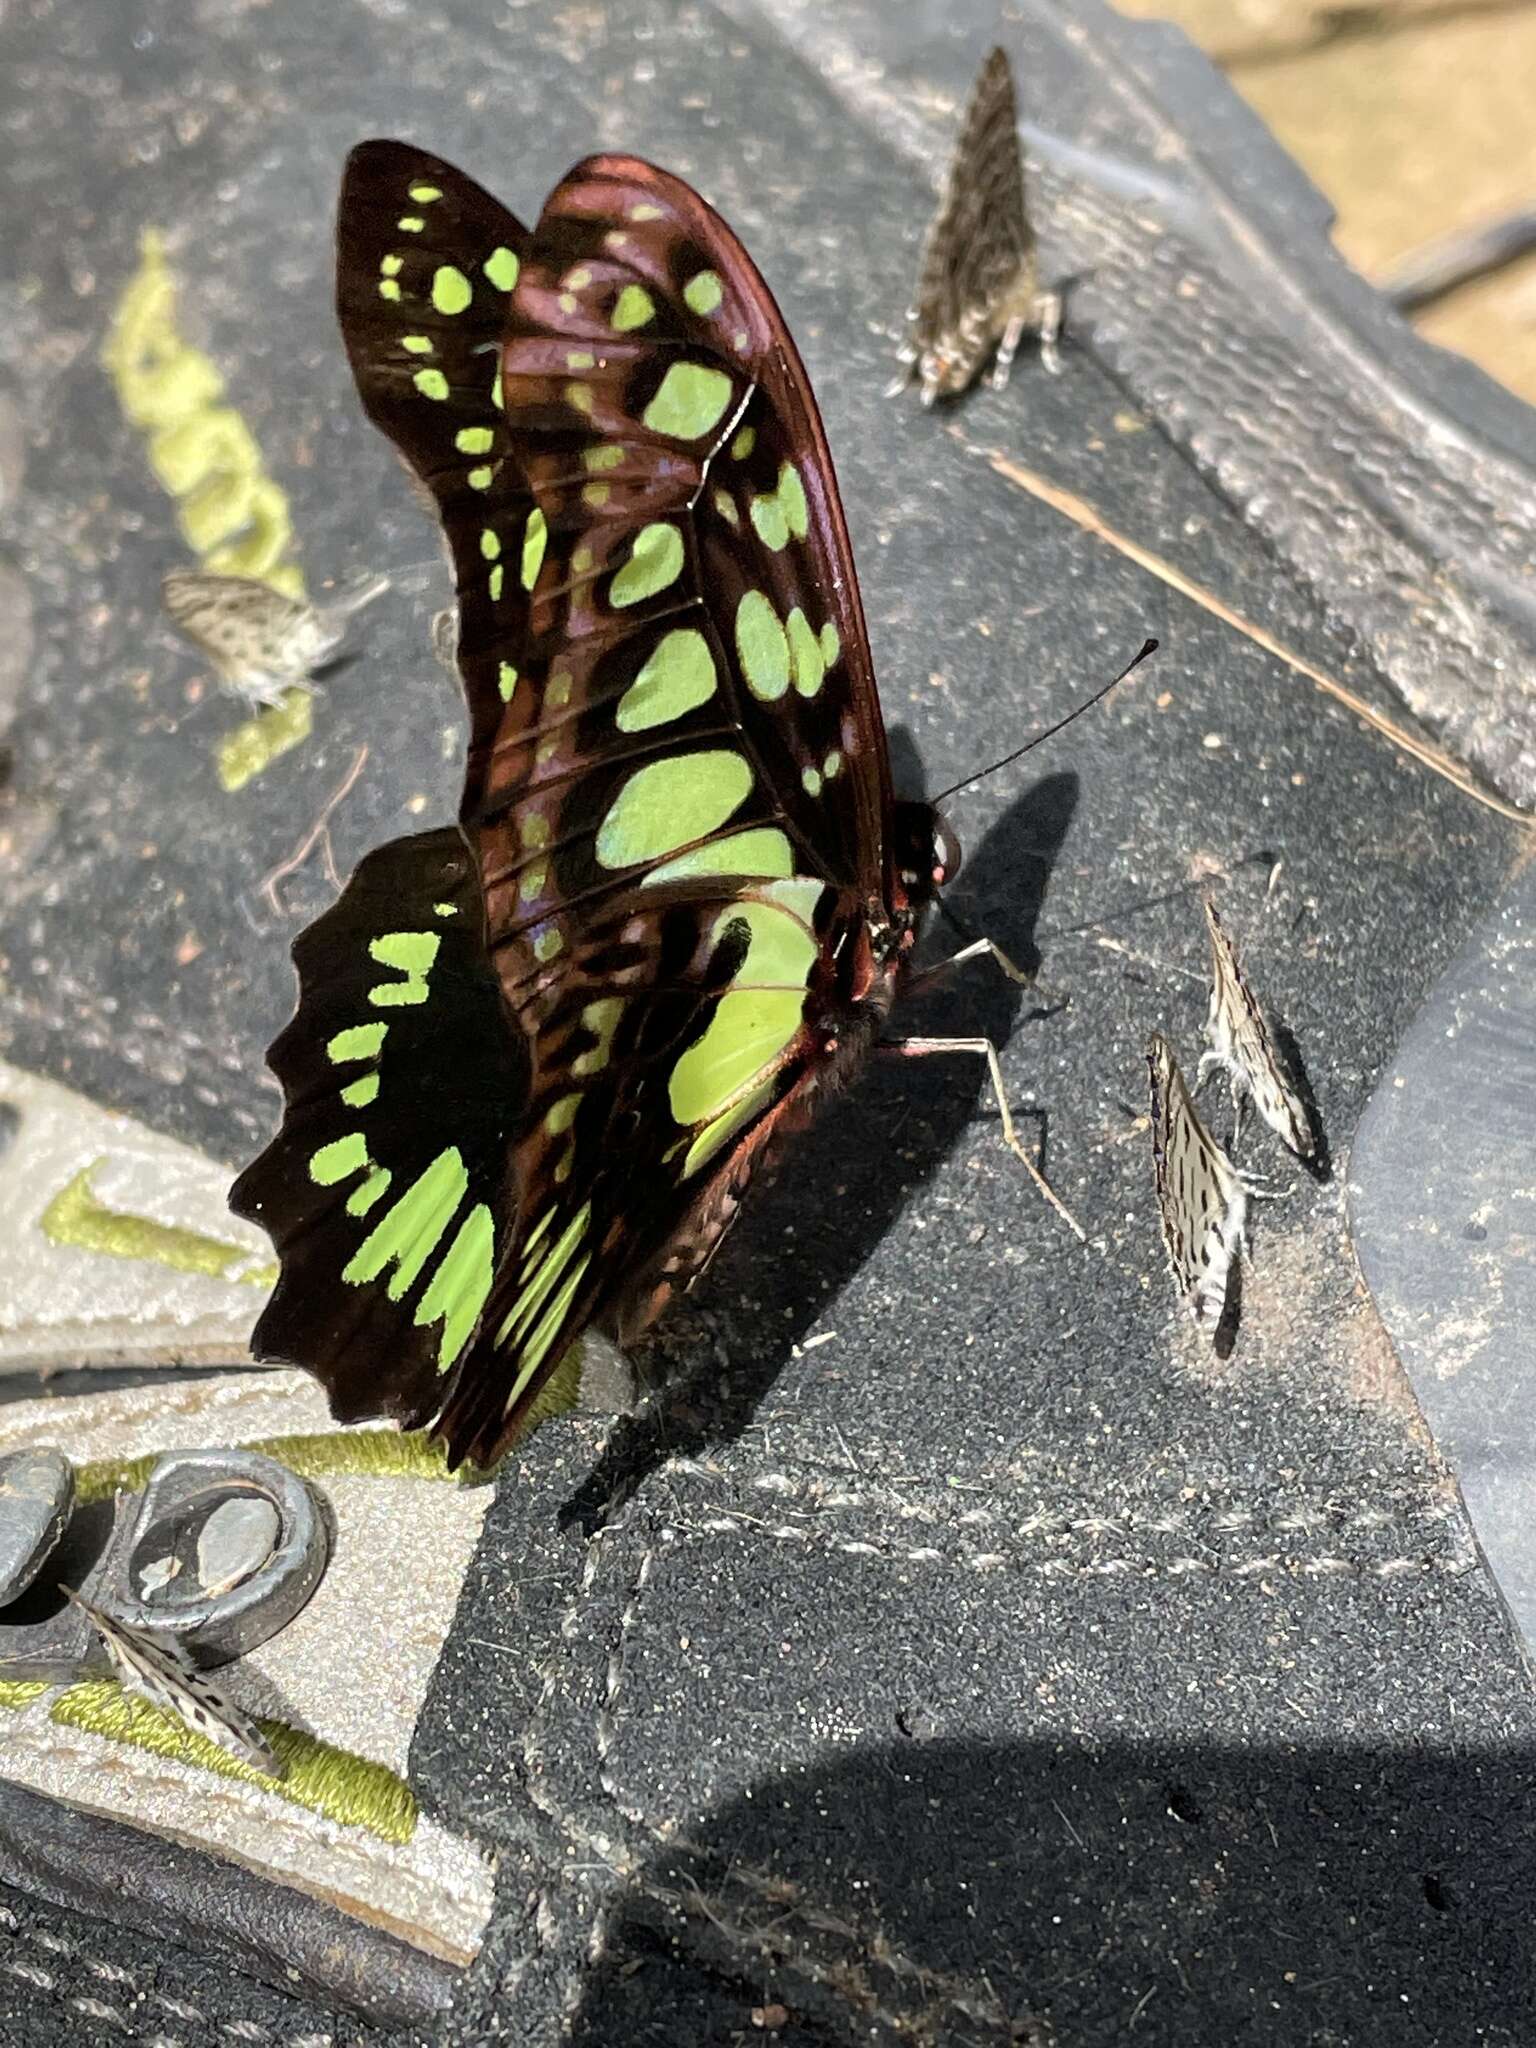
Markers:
1147,647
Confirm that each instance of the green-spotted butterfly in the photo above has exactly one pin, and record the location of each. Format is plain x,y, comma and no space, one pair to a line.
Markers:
979,291
538,1056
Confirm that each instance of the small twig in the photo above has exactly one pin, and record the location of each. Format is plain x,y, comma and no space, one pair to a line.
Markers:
317,834
1082,514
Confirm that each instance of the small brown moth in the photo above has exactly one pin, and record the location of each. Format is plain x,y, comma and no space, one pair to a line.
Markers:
161,1672
261,642
1202,1200
979,288
1243,1045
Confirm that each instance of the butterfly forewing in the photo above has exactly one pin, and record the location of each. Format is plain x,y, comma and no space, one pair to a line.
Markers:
1243,1043
676,802
693,602
426,266
159,1671
1201,1201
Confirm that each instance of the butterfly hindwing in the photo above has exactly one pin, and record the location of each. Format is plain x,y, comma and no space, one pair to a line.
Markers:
386,1191
1201,1200
656,1090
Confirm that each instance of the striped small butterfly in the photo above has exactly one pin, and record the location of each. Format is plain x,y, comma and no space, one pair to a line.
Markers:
261,642
1202,1200
1243,1045
979,288
160,1671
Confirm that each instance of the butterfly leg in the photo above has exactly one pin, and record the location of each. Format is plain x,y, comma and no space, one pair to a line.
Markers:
1048,321
907,356
1019,976
262,691
973,951
917,1048
1007,349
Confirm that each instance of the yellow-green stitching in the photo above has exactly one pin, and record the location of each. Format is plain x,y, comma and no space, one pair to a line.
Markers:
21,1692
231,513
322,1454
350,1790
252,747
363,1453
76,1217
558,1395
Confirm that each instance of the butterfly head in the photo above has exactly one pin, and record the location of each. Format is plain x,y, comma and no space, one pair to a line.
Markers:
927,851
944,370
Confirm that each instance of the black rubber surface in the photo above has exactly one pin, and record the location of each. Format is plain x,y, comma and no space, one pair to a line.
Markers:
1002,1661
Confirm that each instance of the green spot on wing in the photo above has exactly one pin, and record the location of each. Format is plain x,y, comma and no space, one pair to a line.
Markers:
541,1338
362,1199
544,1276
756,1019
760,850
689,402
535,540
413,953
762,647
792,500
669,803
358,1042
339,1160
501,267
451,289
431,383
769,523
804,654
633,308
406,1235
725,1126
702,293
458,1289
655,560
679,676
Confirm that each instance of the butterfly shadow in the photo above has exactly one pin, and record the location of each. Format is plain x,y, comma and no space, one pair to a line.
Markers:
820,1210
1224,1336
1320,1165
